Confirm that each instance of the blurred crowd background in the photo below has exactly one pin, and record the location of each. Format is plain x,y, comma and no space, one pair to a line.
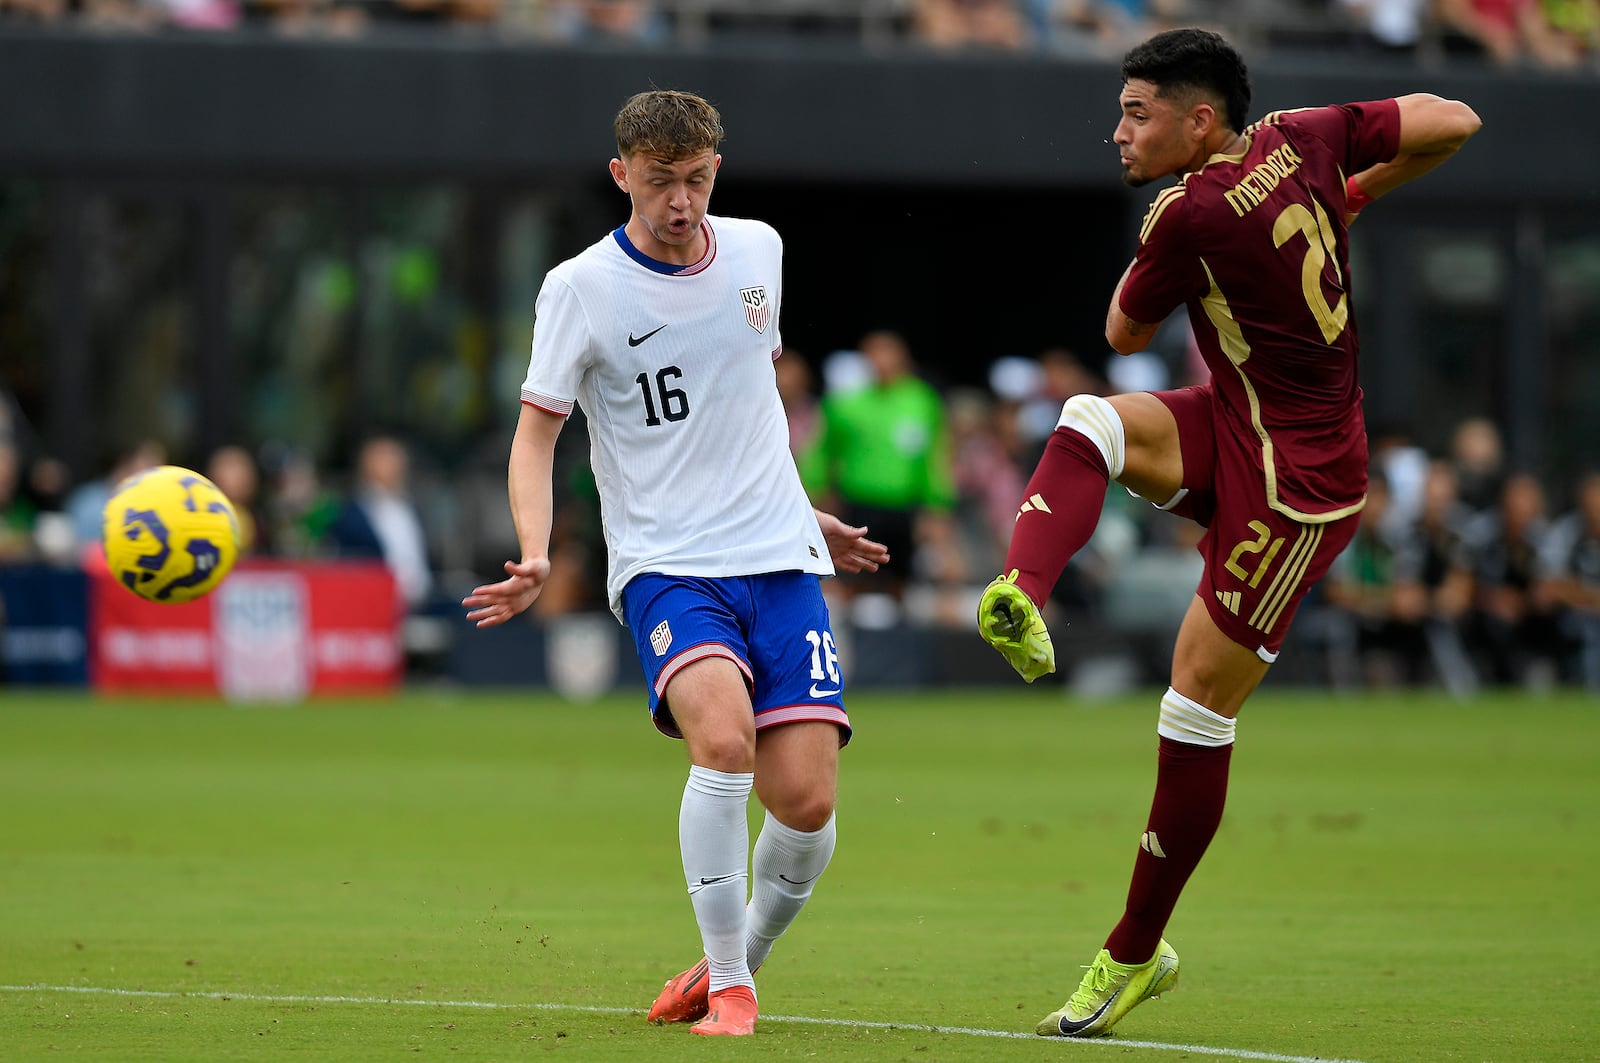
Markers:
1560,34
1467,571
376,331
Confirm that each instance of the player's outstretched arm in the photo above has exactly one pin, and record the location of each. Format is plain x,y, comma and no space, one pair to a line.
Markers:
529,473
1432,129
849,547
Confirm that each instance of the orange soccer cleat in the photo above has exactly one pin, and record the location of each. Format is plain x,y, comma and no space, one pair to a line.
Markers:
683,999
732,1013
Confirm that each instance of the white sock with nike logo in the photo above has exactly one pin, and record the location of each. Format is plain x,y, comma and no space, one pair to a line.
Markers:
714,839
783,872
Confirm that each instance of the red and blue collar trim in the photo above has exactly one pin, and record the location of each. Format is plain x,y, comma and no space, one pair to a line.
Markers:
669,269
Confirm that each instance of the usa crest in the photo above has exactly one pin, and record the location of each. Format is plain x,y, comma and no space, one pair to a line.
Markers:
756,308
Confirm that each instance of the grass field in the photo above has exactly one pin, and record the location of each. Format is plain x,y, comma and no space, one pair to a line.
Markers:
495,877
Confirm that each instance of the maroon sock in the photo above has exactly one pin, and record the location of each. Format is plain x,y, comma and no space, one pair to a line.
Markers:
1191,786
1070,481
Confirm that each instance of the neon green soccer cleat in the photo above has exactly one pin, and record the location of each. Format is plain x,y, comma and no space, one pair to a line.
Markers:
1010,622
1108,992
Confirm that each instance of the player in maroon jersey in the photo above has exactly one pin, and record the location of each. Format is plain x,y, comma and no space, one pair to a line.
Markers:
1270,456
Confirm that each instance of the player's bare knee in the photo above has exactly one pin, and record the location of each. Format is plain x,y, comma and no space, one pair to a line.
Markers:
806,812
729,751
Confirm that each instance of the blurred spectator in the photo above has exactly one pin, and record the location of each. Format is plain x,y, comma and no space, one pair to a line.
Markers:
233,470
577,580
1576,24
47,483
16,511
86,504
606,20
1433,577
334,18
796,390
430,13
1508,32
988,478
1479,458
1405,466
1569,578
845,370
33,10
1517,634
1381,634
1395,27
970,24
1061,376
296,508
882,459
379,519
1140,371
1107,28
197,14
45,487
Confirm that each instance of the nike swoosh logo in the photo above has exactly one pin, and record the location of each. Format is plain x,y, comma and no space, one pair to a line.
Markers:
634,341
714,881
802,882
1070,1028
821,693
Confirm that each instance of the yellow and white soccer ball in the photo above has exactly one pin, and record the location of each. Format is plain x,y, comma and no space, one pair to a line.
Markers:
170,534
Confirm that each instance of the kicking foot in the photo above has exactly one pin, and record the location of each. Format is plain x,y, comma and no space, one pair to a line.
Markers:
1108,992
1010,622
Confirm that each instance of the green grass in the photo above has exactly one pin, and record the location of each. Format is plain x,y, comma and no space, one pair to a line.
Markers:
1397,879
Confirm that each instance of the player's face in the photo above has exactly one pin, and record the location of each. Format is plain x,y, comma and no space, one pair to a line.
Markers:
1154,137
669,196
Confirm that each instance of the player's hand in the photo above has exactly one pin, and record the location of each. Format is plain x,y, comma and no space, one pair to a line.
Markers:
1010,622
495,603
849,547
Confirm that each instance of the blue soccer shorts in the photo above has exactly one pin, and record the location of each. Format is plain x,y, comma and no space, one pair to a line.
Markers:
773,626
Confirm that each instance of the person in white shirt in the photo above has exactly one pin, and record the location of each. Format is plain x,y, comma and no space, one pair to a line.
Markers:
665,333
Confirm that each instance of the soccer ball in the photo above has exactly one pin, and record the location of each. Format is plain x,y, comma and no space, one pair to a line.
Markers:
170,535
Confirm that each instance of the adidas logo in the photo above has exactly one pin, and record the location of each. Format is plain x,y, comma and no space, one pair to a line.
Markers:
1230,600
1034,502
1151,844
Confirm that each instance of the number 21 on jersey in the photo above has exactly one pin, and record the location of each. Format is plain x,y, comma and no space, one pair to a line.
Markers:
1294,220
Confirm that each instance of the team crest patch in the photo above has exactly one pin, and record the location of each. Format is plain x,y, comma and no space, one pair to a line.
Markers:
756,308
661,639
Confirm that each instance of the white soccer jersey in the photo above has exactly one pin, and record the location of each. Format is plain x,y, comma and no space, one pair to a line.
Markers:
672,366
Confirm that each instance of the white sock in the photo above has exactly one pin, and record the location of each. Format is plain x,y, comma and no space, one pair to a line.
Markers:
1186,720
783,873
1099,422
714,839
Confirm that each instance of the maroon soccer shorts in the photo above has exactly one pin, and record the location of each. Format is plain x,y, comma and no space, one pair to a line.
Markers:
1259,563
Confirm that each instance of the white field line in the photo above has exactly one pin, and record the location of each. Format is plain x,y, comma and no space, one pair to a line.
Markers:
854,1024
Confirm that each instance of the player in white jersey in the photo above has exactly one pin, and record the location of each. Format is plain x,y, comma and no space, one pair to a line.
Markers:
665,332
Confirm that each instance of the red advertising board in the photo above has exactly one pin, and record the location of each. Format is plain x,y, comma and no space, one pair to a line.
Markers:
273,631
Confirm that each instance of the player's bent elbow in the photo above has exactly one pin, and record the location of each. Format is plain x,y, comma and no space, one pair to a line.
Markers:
1124,342
1460,122
1434,125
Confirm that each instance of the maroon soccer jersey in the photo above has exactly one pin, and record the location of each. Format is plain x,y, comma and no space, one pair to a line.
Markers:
1255,245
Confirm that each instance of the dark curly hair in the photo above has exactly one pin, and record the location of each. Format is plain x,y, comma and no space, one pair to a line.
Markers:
1190,61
